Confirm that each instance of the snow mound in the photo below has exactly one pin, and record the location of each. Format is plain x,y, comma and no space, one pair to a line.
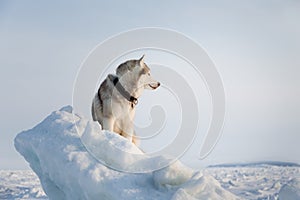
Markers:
291,190
202,187
118,150
55,150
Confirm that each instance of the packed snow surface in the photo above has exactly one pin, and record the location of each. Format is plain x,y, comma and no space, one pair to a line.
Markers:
55,151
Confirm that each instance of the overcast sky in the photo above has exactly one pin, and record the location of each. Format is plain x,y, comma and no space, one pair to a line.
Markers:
254,44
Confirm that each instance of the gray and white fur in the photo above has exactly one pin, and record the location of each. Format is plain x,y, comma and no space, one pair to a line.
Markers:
114,104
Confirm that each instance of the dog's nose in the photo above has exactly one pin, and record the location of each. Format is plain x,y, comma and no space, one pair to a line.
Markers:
158,84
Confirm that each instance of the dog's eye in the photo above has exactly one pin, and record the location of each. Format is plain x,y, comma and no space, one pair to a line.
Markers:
148,73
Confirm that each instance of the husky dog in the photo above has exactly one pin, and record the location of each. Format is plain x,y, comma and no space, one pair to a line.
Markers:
114,104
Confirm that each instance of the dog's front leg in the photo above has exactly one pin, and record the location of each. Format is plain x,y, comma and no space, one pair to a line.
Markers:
108,124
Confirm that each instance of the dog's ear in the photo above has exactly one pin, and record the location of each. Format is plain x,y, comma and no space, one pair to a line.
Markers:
141,60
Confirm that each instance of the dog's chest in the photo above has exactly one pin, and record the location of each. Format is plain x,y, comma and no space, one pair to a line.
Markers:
126,110
131,111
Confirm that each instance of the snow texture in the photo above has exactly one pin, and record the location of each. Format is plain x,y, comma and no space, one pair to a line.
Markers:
290,191
249,181
66,169
256,181
20,184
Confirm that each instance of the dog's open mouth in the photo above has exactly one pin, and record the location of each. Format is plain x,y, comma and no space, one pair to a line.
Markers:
153,86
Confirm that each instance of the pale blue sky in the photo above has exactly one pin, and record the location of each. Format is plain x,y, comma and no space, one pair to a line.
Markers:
254,44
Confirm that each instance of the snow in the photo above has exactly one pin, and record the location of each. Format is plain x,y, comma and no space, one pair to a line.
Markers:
20,185
242,181
175,174
67,170
255,181
204,188
291,190
118,150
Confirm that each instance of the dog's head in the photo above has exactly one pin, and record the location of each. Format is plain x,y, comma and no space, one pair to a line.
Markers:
139,72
